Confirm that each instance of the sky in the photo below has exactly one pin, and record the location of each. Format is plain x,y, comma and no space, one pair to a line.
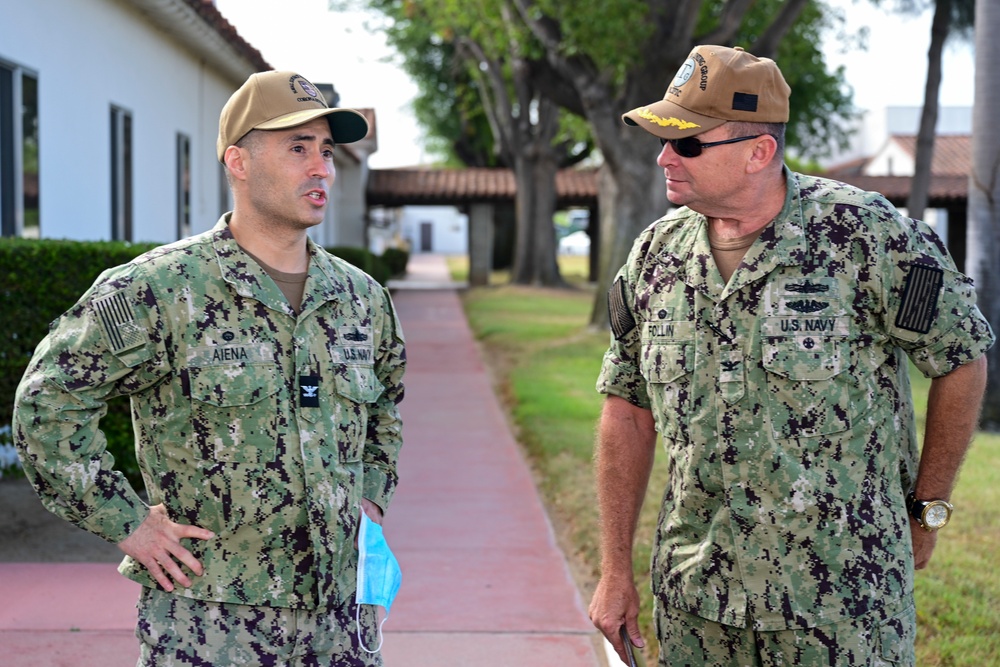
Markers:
336,47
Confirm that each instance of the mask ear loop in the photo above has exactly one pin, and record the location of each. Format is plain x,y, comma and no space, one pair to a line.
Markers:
378,631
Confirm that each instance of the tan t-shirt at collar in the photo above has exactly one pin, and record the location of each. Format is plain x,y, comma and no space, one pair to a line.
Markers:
728,253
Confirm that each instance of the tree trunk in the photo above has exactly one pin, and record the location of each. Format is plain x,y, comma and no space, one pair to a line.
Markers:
536,161
525,127
633,194
535,244
920,183
983,240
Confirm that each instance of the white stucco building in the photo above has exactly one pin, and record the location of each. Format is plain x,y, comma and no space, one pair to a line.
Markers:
109,113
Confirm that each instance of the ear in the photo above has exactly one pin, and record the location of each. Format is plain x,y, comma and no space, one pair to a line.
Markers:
235,160
764,150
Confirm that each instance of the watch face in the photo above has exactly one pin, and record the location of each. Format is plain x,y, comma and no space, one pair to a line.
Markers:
936,515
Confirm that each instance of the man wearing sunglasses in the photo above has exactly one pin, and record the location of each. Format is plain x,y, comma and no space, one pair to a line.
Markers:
763,329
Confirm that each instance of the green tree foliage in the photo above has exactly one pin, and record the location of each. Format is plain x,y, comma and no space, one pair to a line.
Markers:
821,104
647,43
601,58
447,104
476,62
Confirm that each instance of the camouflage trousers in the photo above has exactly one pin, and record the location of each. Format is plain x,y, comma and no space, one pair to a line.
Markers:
882,639
175,631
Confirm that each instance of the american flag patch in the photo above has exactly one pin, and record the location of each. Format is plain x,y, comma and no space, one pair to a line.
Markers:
920,297
619,314
115,315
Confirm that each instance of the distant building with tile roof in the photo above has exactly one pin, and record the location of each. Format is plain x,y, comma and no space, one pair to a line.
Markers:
889,170
465,210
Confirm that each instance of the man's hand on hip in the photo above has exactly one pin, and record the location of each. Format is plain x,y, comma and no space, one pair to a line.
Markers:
156,544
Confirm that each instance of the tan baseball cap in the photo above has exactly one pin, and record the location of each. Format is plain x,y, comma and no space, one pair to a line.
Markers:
277,101
716,84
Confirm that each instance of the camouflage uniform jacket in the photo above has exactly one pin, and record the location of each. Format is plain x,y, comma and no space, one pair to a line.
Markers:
783,401
230,432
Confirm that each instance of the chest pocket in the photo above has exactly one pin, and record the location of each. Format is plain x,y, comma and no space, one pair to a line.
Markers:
667,367
359,385
233,411
808,391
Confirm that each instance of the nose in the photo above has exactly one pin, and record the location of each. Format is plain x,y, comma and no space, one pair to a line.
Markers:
667,155
321,167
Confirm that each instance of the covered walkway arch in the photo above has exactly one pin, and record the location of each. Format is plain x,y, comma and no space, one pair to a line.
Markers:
486,196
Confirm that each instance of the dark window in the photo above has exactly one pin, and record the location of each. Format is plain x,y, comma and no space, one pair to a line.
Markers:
19,181
183,186
121,174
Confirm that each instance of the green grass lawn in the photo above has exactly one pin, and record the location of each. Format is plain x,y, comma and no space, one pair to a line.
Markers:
546,360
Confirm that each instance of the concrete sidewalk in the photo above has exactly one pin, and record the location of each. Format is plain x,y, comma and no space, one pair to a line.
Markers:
484,583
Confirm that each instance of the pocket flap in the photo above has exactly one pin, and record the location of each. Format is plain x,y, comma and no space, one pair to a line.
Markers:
667,362
233,385
358,383
805,357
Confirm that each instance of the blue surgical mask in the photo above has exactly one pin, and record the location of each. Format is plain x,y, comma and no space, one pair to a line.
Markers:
379,576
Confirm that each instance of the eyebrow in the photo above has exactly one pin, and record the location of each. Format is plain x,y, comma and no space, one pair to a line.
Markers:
311,137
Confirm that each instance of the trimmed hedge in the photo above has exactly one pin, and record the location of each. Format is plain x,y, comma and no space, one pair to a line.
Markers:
396,259
39,281
365,260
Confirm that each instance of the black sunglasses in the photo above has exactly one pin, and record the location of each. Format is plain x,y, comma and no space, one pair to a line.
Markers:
691,147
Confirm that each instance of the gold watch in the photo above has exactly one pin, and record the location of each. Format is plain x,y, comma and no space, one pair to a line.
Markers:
930,514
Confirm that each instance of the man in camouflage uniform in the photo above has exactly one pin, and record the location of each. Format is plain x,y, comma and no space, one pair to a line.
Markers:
264,376
763,330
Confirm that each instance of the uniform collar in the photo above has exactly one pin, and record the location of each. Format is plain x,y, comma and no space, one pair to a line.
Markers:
781,243
325,281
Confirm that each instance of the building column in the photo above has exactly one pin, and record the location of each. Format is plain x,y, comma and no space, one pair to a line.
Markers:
480,244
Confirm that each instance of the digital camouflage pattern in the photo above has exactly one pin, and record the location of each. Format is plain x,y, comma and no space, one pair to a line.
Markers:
175,631
783,401
232,433
884,638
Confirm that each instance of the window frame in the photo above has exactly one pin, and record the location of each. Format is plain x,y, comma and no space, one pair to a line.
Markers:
13,193
183,194
122,168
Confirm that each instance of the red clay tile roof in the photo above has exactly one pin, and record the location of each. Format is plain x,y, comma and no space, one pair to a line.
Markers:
400,187
855,166
950,167
944,191
952,153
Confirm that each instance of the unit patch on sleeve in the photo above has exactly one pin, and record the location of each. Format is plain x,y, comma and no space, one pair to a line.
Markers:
920,297
120,329
619,314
